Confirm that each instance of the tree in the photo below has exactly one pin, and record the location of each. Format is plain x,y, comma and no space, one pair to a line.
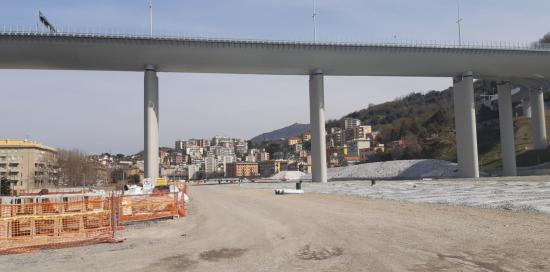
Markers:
5,189
74,168
306,145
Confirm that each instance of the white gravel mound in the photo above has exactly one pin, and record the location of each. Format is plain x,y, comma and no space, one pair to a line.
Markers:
522,194
406,169
288,175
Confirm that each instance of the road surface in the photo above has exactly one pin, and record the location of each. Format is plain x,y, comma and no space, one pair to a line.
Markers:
230,228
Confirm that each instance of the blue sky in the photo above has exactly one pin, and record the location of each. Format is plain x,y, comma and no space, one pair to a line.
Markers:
102,111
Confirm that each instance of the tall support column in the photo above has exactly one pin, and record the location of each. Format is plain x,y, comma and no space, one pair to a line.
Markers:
538,119
151,135
317,120
507,141
526,107
465,123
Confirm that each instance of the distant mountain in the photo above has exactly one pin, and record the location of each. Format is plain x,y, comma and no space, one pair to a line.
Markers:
286,132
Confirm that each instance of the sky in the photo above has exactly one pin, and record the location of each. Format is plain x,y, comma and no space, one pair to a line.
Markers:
103,111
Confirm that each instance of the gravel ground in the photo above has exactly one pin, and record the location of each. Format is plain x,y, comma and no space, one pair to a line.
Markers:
232,228
518,193
395,169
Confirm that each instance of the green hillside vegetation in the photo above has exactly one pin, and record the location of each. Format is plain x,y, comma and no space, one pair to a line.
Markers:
426,122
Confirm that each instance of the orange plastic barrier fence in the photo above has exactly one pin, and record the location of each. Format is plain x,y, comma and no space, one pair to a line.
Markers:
147,207
27,224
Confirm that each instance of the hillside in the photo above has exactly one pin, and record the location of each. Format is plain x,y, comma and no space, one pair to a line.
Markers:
286,132
426,122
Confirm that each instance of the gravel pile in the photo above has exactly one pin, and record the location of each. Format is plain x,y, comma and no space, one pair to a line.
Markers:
288,175
407,169
524,194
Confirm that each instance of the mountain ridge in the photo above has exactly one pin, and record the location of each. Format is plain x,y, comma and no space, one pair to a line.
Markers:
286,132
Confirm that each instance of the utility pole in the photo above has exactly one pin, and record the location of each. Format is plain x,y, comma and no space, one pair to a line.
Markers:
314,21
458,22
151,17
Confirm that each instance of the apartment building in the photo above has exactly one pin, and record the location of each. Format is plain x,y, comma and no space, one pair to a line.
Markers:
242,169
294,140
28,165
350,123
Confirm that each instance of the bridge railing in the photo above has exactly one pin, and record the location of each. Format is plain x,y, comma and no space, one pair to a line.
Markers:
18,30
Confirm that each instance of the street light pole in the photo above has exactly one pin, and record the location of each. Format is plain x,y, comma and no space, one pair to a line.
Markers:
151,17
314,21
459,21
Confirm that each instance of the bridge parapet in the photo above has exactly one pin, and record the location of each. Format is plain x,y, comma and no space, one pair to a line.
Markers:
19,30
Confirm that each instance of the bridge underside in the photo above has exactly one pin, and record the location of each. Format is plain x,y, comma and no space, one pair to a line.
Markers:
525,67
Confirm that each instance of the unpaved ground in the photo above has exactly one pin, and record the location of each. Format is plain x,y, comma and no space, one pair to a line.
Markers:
531,194
231,228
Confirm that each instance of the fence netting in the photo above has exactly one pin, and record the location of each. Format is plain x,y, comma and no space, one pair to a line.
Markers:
29,223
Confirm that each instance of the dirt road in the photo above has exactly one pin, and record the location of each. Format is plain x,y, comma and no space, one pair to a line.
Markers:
241,229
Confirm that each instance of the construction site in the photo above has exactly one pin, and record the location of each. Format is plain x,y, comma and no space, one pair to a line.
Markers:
54,220
246,227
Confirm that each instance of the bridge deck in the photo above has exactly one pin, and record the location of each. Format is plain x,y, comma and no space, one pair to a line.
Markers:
126,53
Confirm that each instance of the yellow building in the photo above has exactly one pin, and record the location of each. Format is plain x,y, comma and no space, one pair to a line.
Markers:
242,169
294,140
28,165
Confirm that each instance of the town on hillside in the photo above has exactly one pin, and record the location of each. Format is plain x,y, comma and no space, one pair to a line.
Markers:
27,166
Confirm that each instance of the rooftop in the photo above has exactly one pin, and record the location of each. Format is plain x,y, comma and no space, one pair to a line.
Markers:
17,143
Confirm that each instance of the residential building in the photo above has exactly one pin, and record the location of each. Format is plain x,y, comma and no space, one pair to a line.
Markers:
223,161
279,155
176,158
294,140
251,158
242,169
335,138
264,156
357,133
194,152
28,165
210,165
306,136
180,145
355,146
350,123
241,149
193,171
298,148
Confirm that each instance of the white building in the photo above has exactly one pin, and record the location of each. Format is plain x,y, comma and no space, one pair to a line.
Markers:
350,123
210,165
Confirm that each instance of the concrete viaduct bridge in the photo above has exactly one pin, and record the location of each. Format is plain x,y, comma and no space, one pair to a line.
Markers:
525,66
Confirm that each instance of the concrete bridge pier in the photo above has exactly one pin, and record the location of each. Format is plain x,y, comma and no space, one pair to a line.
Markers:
526,107
506,120
317,121
538,119
465,124
151,124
